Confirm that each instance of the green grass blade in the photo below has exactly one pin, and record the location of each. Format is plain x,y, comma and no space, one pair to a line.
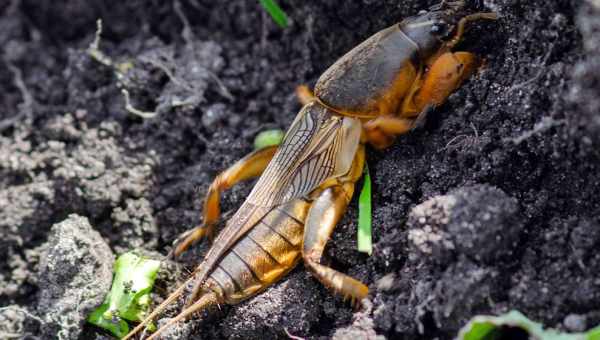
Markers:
365,242
276,12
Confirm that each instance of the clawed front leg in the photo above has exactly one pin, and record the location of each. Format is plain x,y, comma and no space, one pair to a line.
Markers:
444,76
380,132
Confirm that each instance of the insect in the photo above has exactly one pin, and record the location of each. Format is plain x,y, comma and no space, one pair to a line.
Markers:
380,89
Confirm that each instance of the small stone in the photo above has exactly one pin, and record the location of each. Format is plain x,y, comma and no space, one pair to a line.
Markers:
575,322
386,283
213,115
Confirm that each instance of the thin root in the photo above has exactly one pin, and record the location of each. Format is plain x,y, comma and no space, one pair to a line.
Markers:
294,337
462,141
188,36
94,48
130,108
95,53
26,107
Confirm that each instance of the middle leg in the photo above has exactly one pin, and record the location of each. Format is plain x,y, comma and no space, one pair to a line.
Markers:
248,167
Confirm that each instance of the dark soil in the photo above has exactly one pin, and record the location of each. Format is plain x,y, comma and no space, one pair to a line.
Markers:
491,206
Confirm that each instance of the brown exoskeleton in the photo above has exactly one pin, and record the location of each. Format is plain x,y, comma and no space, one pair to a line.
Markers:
376,91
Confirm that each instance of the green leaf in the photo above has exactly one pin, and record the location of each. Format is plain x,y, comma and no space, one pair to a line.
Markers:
129,296
116,326
594,333
276,12
365,243
490,328
268,138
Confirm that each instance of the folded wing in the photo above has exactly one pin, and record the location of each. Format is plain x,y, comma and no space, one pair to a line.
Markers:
318,146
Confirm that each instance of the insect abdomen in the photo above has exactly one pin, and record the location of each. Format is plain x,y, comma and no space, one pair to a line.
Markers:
266,253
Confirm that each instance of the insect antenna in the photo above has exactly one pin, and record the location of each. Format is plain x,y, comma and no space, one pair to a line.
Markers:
177,293
204,302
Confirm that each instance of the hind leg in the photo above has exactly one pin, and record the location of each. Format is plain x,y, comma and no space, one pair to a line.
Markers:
248,167
321,220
